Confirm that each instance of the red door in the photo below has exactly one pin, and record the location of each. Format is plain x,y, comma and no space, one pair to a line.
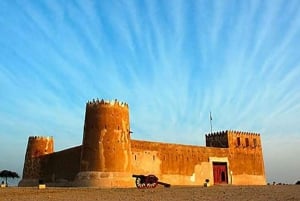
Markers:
220,173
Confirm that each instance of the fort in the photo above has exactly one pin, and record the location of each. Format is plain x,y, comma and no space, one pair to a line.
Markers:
108,156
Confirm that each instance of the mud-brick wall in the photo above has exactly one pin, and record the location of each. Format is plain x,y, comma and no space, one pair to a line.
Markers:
246,155
62,165
106,139
37,146
246,161
177,164
246,158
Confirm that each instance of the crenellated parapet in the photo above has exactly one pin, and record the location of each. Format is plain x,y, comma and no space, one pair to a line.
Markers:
242,139
222,133
233,139
96,103
217,139
243,133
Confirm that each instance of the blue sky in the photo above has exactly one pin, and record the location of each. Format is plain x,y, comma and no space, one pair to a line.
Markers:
172,61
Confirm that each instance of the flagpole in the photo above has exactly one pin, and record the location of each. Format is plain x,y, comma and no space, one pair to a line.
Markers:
210,118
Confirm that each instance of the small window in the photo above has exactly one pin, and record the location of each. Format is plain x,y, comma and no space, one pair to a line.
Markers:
153,157
254,142
135,157
238,141
247,142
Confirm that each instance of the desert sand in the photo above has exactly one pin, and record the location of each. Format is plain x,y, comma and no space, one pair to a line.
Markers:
284,192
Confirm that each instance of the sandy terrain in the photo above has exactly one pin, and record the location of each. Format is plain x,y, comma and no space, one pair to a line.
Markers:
288,192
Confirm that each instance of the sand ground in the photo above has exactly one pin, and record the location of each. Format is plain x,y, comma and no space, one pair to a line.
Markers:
286,192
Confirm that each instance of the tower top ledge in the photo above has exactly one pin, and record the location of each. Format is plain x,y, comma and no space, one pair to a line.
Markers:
40,137
96,102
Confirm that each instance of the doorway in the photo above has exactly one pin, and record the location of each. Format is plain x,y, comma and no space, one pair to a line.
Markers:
220,173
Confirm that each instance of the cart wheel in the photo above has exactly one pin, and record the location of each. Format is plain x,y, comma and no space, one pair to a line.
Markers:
138,182
151,181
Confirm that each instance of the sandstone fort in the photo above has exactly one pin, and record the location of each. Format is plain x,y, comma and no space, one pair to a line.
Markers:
108,156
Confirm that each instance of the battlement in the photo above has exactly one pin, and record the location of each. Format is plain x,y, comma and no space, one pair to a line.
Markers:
231,138
220,133
217,139
97,102
242,133
40,138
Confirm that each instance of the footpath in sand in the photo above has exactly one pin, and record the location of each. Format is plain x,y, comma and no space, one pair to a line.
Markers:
263,193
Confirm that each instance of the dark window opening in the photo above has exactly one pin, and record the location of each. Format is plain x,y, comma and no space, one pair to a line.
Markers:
238,141
254,142
247,142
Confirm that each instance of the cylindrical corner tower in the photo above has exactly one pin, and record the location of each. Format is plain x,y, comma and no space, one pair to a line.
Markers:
37,146
106,147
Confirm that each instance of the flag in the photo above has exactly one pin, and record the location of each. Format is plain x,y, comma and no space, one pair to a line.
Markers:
210,117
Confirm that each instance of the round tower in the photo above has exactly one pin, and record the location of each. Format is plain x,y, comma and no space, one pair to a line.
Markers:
106,147
37,146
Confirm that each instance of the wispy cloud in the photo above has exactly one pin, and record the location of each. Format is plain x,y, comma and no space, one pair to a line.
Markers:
173,63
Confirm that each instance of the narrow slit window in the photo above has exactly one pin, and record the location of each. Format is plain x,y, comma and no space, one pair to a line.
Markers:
247,142
254,142
238,140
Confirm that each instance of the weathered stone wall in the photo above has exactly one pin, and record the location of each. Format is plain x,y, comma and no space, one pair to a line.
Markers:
60,167
106,140
191,165
174,163
37,146
106,148
108,156
246,158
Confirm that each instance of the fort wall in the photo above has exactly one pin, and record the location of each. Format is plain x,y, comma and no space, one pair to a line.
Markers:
174,163
108,157
60,168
